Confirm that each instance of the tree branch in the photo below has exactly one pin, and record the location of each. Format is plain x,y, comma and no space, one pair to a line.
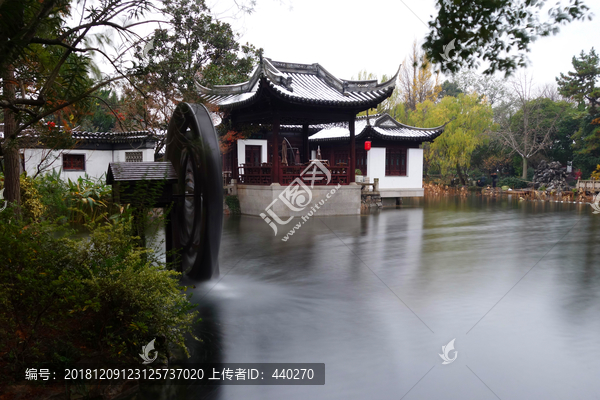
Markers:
82,96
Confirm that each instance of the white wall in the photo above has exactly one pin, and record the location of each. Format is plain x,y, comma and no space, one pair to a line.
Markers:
119,155
251,142
414,169
96,161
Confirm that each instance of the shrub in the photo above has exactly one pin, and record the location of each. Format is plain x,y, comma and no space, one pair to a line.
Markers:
513,182
62,298
357,171
53,193
132,298
596,173
88,199
31,203
233,202
81,201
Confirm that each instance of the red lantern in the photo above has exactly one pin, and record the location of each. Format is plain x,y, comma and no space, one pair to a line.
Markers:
367,145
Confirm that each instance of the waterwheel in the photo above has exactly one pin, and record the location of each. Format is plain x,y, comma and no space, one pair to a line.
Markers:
196,218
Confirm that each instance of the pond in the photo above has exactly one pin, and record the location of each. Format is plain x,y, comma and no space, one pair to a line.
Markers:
375,297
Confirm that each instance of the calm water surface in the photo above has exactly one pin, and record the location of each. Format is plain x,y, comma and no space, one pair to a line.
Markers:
375,298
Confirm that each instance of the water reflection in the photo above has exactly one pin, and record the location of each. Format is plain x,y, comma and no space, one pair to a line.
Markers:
375,297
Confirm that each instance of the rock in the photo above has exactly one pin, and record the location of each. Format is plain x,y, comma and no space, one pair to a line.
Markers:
551,175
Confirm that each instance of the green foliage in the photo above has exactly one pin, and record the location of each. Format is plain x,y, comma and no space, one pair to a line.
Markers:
33,208
88,199
467,120
450,89
582,85
491,29
586,163
62,298
357,171
34,291
101,116
198,47
233,202
53,193
130,297
561,149
513,182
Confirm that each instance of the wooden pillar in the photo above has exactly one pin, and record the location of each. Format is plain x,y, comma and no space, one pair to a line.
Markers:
235,166
352,149
305,142
276,163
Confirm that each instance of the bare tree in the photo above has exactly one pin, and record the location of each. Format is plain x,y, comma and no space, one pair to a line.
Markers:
529,129
416,80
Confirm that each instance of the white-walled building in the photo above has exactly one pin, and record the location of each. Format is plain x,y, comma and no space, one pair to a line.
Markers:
91,154
395,157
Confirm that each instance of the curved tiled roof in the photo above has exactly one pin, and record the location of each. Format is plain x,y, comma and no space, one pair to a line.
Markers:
139,171
112,137
308,84
381,125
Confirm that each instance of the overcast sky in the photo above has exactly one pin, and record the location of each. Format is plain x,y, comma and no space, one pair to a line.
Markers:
346,36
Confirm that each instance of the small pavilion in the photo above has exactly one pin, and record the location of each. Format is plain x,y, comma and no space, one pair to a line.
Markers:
280,93
395,157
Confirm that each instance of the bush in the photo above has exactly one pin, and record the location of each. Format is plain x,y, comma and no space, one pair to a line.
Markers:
31,203
79,202
61,299
233,202
596,173
513,182
88,199
53,193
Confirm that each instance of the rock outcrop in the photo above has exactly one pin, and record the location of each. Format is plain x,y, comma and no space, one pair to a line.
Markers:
552,176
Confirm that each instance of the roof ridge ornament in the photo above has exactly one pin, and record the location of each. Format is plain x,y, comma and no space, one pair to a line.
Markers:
276,76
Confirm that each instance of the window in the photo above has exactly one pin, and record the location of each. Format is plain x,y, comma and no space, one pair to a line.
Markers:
395,162
134,156
73,162
339,158
253,155
361,161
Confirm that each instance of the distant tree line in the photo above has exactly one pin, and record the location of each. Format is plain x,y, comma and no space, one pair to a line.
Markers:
500,125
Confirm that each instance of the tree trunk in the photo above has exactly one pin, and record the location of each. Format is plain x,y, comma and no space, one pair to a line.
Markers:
524,174
10,149
460,175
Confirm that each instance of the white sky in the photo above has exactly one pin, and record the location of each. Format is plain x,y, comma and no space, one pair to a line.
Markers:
346,36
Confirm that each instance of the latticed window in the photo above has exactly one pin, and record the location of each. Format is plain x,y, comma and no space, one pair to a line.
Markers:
361,161
395,162
134,156
340,157
73,162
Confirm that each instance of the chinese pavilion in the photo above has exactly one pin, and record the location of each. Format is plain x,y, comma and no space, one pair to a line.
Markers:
280,93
